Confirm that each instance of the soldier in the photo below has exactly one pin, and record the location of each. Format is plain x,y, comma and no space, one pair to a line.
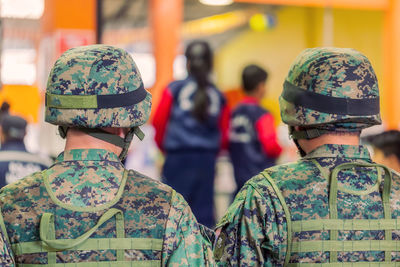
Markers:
15,161
87,209
334,206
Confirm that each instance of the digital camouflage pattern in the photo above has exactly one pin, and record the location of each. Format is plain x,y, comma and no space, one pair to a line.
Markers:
96,70
335,72
5,252
75,188
254,230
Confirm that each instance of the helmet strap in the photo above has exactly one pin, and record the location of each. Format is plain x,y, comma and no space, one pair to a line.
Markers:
116,140
306,133
63,130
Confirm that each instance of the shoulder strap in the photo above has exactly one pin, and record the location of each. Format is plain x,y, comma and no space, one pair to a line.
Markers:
287,215
3,227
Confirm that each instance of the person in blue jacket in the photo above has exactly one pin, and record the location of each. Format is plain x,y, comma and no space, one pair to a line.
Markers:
15,161
253,144
191,124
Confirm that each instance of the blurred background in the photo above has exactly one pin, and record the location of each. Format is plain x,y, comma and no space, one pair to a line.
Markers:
269,33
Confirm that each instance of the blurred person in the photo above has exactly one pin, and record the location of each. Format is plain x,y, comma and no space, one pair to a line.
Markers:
191,124
15,161
330,207
253,143
4,109
386,148
87,209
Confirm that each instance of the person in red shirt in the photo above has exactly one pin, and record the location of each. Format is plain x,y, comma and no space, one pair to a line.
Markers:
253,144
191,126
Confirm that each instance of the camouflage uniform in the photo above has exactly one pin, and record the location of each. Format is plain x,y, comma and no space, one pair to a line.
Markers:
87,209
334,206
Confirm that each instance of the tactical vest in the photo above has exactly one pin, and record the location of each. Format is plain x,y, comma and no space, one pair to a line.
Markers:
333,225
127,231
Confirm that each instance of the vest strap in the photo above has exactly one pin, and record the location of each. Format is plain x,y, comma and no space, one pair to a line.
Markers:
47,222
120,234
51,235
385,199
346,246
346,225
287,215
346,264
93,244
150,263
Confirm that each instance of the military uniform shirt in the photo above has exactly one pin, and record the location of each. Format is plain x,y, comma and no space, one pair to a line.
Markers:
254,229
81,178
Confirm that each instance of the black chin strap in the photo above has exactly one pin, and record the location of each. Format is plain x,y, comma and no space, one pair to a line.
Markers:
294,135
123,143
306,133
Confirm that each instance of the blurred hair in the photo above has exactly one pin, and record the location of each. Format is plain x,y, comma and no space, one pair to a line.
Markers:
388,142
13,127
252,76
199,64
5,107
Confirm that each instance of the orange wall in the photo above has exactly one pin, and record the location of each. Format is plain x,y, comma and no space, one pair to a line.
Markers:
24,100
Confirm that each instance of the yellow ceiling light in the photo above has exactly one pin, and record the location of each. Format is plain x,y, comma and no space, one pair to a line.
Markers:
216,24
216,2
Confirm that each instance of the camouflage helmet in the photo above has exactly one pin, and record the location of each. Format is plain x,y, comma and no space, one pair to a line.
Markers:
97,86
329,90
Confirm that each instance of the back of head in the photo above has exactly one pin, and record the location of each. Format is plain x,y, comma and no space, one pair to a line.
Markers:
330,90
94,87
199,64
13,128
252,76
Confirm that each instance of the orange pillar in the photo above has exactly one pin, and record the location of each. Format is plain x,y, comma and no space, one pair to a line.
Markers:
69,23
166,20
391,84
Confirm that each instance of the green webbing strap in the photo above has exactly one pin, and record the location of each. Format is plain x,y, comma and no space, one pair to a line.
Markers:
71,101
149,263
333,204
333,210
120,234
93,244
47,222
287,215
139,133
3,227
50,235
346,246
346,225
346,264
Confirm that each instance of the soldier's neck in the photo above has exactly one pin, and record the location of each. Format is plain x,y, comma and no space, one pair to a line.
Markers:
79,140
345,139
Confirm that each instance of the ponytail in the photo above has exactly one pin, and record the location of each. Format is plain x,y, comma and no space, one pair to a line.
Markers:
199,58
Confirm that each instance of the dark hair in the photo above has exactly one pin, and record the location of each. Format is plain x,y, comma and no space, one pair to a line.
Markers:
252,76
5,107
13,127
388,142
199,64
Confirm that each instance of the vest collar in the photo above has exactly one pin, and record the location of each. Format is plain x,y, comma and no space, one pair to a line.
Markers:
341,151
87,155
